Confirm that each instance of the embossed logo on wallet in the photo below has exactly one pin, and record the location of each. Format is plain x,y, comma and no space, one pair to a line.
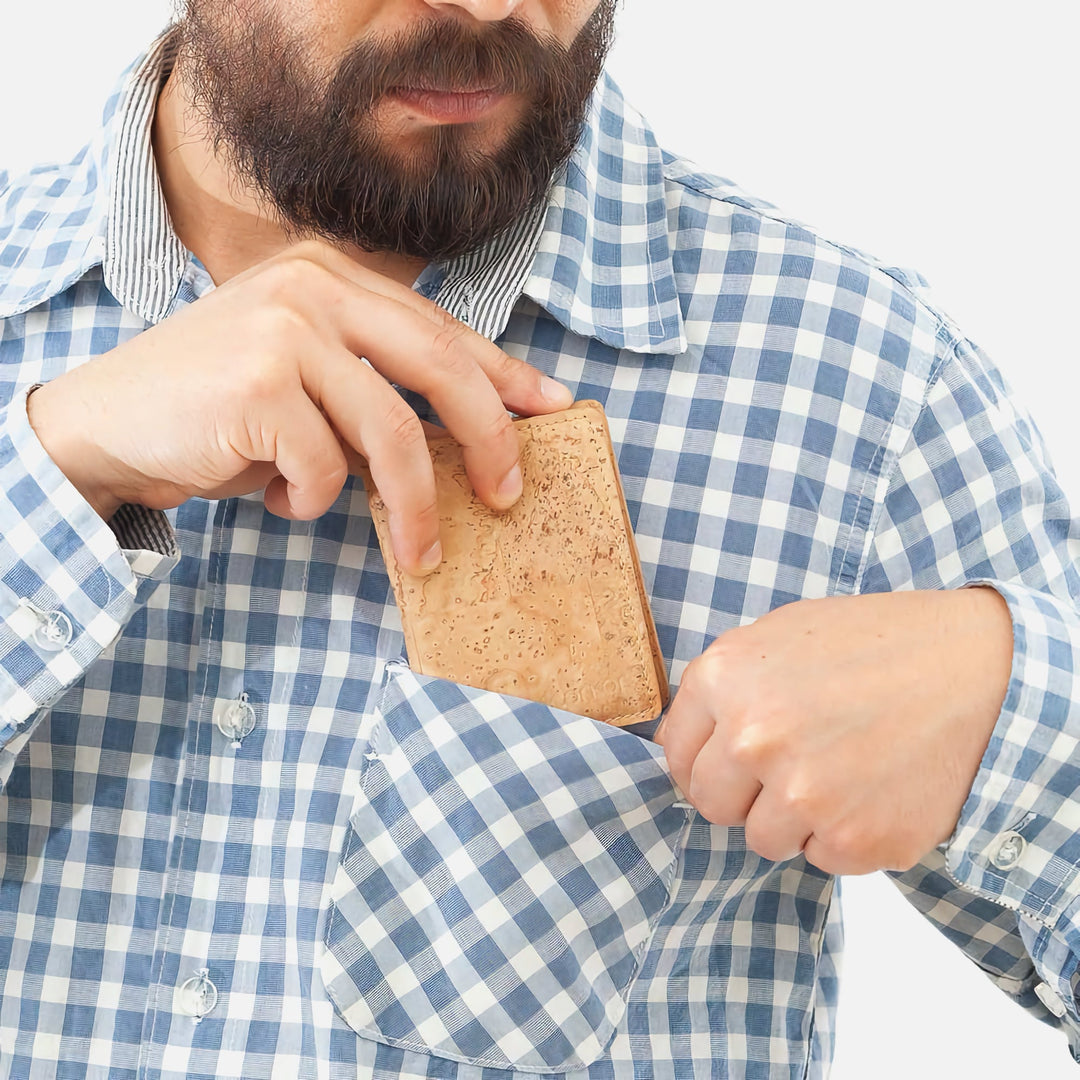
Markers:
543,601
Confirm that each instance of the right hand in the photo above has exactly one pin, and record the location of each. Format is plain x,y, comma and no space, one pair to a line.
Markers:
261,384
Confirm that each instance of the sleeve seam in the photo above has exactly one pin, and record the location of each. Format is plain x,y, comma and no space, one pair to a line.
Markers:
951,343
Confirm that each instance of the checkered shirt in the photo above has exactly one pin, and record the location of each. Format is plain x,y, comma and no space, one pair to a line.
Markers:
240,838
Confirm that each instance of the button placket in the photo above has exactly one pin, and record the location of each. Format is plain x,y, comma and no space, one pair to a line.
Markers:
177,919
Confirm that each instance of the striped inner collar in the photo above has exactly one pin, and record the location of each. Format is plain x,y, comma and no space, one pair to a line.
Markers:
145,259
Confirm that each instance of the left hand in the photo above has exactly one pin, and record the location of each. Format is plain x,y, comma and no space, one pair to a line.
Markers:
847,728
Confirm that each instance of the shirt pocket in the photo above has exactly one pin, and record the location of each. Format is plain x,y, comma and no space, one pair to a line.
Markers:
505,868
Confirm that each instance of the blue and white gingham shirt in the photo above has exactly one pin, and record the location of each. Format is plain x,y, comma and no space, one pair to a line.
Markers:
240,838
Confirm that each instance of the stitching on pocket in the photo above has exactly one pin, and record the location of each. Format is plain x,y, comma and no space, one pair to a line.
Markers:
350,833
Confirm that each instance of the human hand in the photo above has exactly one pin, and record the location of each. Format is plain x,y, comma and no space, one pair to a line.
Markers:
847,728
260,385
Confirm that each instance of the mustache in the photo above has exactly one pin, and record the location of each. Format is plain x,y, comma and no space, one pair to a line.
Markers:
505,57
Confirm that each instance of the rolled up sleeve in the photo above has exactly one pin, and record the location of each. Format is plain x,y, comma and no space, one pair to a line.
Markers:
67,585
973,501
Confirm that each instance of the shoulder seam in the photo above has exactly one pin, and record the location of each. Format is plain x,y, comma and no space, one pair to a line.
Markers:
946,332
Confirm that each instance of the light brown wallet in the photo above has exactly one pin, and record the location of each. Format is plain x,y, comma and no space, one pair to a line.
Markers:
545,600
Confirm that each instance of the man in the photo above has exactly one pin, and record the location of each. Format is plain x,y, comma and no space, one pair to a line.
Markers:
240,837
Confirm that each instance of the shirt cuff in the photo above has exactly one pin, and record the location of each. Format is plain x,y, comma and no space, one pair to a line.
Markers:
1018,838
66,586
1053,953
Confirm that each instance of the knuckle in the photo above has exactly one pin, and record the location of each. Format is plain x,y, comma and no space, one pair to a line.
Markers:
844,838
273,330
448,348
500,428
851,849
404,427
268,378
724,662
720,650
705,673
713,809
295,274
282,324
444,321
734,638
801,797
283,278
503,369
428,510
714,804
760,841
771,852
751,747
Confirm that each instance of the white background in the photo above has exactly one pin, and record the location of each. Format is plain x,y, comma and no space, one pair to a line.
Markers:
939,134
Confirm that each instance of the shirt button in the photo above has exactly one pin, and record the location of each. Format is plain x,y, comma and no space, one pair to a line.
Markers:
1050,999
198,995
235,718
54,632
51,630
1007,850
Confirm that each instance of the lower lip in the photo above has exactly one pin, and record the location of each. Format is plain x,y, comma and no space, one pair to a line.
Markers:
450,108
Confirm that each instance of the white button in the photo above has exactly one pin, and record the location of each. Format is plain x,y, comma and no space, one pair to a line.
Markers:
50,631
235,718
1008,848
198,995
1050,999
54,633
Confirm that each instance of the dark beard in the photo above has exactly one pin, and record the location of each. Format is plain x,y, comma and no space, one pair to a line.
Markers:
310,148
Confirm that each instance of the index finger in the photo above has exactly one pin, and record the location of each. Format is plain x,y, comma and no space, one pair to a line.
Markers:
520,386
405,348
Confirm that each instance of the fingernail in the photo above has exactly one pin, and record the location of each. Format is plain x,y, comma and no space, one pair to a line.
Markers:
509,490
431,558
556,393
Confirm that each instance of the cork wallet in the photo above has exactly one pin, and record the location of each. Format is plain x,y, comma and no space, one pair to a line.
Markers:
543,601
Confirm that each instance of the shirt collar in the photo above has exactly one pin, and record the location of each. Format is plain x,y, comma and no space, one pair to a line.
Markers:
144,258
104,209
597,258
603,266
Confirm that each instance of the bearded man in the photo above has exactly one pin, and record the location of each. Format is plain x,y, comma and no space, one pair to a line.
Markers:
306,231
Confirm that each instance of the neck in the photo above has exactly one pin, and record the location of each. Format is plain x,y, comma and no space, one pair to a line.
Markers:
227,226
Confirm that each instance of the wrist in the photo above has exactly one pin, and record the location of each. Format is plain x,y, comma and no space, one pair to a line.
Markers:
991,620
64,442
985,646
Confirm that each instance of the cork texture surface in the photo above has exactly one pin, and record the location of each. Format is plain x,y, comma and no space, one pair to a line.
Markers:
543,601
